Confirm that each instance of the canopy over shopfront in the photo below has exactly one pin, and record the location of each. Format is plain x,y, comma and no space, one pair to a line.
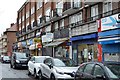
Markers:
34,46
54,43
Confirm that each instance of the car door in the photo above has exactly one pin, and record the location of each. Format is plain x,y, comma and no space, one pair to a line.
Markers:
79,72
31,64
46,68
99,73
87,72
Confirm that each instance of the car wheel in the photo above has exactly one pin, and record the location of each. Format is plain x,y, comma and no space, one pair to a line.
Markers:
52,77
40,77
29,72
35,74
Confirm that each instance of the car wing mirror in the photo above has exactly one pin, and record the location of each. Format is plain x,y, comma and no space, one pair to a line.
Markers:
33,61
50,65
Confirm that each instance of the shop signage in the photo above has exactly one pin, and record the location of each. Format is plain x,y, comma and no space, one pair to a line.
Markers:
39,45
110,22
47,38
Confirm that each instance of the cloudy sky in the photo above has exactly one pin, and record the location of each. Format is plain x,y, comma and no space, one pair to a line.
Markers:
8,13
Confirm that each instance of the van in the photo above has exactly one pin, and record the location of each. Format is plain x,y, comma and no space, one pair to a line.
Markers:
18,60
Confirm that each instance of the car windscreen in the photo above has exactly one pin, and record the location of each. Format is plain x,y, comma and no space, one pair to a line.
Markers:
21,56
39,60
59,63
69,62
113,70
6,58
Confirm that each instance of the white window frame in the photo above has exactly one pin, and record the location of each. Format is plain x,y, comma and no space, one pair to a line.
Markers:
27,14
32,10
48,28
47,13
22,18
56,25
94,12
62,23
19,20
32,23
75,18
107,2
45,1
76,2
39,4
27,27
38,19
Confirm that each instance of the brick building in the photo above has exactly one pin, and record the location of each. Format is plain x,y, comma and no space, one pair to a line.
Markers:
7,39
62,26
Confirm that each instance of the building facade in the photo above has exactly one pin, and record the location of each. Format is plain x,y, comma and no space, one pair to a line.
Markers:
3,44
8,39
63,28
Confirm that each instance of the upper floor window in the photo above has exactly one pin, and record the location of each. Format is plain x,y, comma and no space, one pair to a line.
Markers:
19,28
48,28
38,19
94,12
39,4
107,6
75,18
27,27
59,7
19,20
62,23
47,14
59,4
27,14
32,23
32,10
76,3
22,18
46,1
56,25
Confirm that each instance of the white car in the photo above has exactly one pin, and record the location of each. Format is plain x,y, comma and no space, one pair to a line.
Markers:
34,64
55,68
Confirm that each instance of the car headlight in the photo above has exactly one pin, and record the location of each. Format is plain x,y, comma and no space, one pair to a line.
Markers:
17,61
59,72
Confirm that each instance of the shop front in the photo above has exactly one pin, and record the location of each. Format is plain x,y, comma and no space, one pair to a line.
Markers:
35,47
110,45
109,38
84,48
46,39
58,45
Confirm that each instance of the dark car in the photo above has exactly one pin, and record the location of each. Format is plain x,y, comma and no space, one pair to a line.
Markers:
19,60
98,71
5,59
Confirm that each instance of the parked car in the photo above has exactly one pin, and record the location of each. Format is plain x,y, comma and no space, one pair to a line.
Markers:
34,65
18,60
55,68
5,59
98,71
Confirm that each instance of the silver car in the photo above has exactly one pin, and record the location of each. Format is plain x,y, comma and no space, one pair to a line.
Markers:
55,68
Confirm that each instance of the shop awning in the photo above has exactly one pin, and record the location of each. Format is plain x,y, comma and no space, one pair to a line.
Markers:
54,43
32,47
109,42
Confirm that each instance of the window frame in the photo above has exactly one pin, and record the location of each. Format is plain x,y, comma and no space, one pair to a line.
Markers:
100,67
91,69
